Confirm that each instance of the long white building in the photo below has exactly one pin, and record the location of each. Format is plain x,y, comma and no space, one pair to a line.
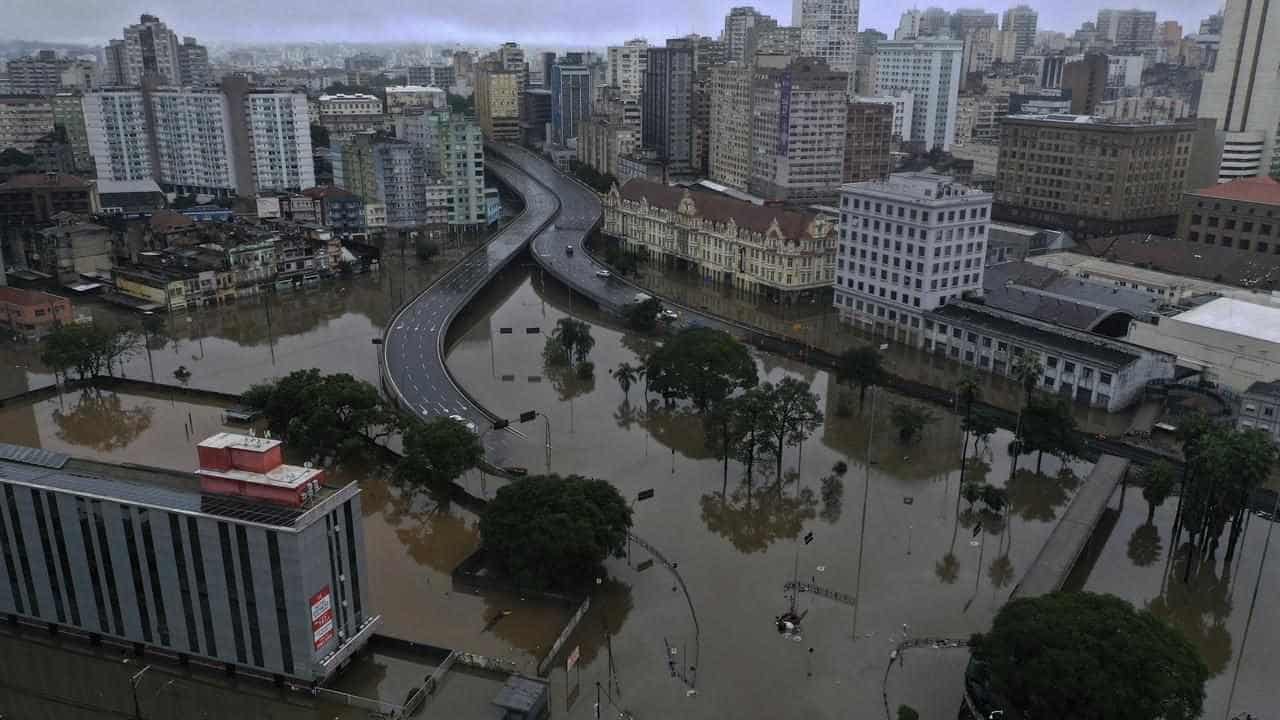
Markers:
231,140
908,245
928,68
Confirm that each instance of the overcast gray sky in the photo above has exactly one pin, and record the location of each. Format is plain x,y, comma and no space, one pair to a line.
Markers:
546,22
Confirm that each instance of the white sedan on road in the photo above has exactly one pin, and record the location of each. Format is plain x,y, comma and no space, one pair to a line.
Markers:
464,422
604,274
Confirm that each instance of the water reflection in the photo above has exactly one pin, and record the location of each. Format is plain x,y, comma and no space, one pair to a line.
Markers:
935,454
948,568
832,493
753,518
1145,545
1198,607
101,421
1038,497
1001,571
677,428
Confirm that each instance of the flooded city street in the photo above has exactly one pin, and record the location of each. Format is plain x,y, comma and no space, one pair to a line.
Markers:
689,631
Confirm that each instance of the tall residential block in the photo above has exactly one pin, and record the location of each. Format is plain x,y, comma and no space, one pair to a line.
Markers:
68,114
217,141
1243,90
40,74
1086,81
627,63
148,49
1021,21
193,63
799,113
1128,30
908,244
868,142
247,562
497,101
667,123
828,30
736,25
1091,176
24,119
730,148
570,97
928,68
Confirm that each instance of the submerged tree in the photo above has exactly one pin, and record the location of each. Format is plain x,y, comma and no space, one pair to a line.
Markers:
861,367
702,365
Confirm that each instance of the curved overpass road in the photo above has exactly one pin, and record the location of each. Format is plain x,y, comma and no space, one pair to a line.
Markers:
413,347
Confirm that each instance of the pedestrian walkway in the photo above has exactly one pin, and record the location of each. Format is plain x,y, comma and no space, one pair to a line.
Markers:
1072,533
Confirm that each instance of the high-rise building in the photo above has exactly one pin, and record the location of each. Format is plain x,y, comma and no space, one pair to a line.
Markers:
966,20
928,68
40,74
908,25
908,244
68,114
935,22
627,63
667,124
1212,25
247,563
193,63
1094,176
497,101
1086,80
570,97
730,147
1243,90
828,30
437,76
24,119
1021,21
903,105
868,142
799,113
511,58
736,24
767,39
614,131
216,141
149,49
864,65
1128,30
546,60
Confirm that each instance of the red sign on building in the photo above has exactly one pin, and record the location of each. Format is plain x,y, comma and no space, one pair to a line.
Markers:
322,617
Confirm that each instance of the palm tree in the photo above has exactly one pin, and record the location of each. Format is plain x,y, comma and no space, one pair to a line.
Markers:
1028,370
625,375
967,391
862,367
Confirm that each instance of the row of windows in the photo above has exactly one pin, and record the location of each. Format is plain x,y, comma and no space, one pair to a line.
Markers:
910,213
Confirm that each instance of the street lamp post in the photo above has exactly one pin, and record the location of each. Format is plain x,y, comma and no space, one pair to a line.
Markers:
866,486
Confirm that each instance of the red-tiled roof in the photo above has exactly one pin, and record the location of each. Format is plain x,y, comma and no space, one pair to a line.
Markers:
1254,190
18,296
31,180
719,208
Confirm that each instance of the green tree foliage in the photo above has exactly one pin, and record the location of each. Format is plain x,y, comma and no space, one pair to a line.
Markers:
319,136
322,416
749,413
549,531
906,712
461,104
574,337
1223,467
425,248
718,428
981,426
1027,370
643,316
626,374
701,365
14,156
790,416
861,367
910,421
600,182
1158,483
1049,427
90,349
1083,655
623,262
439,450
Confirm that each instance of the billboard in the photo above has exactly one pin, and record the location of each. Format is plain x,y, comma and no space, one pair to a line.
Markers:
322,617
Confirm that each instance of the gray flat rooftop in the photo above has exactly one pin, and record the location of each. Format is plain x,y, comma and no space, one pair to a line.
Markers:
139,485
1098,352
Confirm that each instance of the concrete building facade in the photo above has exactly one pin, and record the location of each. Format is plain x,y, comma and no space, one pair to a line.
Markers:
1243,215
1021,21
930,70
829,31
730,151
24,119
570,97
667,123
497,101
868,144
798,124
627,64
908,244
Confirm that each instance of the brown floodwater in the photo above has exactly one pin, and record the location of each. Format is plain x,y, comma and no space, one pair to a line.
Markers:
889,532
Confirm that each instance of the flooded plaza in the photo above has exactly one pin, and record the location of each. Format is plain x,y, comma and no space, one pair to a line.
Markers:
903,555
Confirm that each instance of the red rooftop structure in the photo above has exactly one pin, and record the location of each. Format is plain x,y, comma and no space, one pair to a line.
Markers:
253,467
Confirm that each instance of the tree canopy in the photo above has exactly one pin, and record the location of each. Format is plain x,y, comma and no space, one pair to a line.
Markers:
1085,656
643,316
322,416
1049,427
702,365
574,337
910,421
439,450
862,367
90,349
551,531
791,415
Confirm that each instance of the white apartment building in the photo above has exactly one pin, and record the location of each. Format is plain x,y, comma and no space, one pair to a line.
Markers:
115,123
187,139
279,140
903,112
928,68
452,149
352,104
1243,90
908,245
828,30
627,65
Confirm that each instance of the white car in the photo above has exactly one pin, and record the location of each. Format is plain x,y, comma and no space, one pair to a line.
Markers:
669,315
464,422
604,274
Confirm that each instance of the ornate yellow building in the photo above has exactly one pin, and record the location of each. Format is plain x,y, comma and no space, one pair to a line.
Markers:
763,250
